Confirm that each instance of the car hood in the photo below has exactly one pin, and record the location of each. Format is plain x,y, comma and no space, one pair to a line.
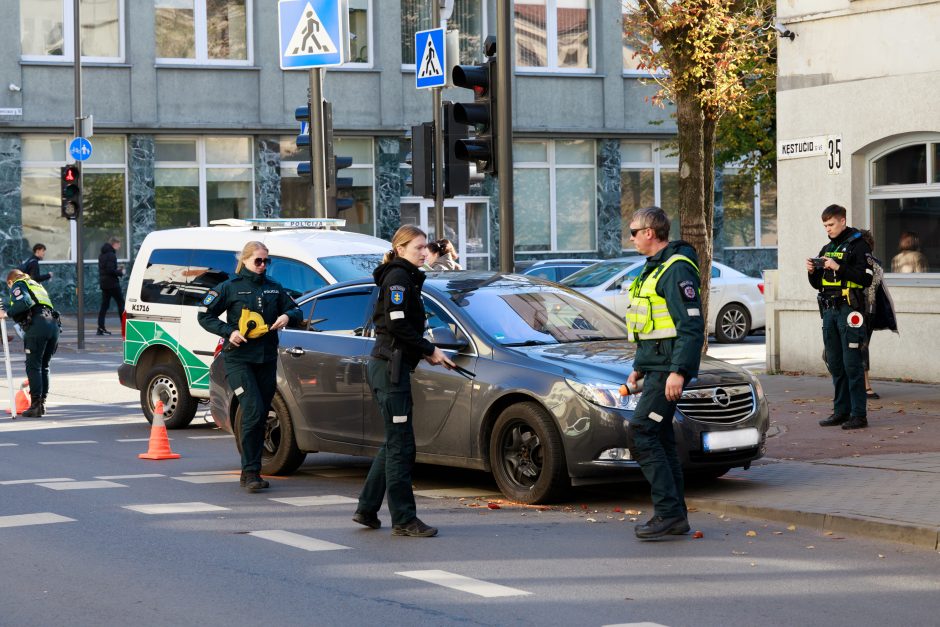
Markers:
612,361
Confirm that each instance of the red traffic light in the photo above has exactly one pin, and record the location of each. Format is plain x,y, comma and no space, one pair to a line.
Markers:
70,174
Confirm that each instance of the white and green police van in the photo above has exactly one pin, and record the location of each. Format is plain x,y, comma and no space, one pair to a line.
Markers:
166,353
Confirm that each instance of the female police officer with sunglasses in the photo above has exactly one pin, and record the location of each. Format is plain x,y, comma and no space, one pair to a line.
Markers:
256,308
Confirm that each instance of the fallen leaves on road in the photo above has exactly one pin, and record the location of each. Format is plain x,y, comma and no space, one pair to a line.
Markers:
739,552
698,534
810,546
493,505
791,527
751,534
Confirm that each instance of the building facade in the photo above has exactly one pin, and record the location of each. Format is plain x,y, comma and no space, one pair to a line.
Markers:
194,121
860,80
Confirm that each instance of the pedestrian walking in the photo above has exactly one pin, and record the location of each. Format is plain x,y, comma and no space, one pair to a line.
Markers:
109,280
30,307
399,321
442,256
256,308
31,265
841,272
665,319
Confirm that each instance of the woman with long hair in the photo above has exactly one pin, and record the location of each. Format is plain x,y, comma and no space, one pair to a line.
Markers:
444,256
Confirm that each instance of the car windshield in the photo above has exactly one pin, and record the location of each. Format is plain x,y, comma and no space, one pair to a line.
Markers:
592,276
527,314
349,267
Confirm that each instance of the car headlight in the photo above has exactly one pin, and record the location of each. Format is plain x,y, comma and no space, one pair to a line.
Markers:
604,394
758,388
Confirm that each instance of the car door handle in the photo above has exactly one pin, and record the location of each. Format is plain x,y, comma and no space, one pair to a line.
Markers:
296,351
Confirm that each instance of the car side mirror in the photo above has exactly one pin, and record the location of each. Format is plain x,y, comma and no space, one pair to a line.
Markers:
444,337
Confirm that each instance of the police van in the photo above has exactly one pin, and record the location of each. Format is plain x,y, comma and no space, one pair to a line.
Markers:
167,353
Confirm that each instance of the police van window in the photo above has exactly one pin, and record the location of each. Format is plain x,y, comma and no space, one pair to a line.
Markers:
165,277
296,277
207,268
343,314
438,317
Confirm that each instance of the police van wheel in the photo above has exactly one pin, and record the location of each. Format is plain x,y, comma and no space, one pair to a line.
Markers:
526,455
733,324
280,454
168,384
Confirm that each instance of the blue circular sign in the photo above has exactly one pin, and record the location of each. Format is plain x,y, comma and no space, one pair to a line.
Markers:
80,149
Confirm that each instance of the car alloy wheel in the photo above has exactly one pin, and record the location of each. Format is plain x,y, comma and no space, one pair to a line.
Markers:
526,455
733,325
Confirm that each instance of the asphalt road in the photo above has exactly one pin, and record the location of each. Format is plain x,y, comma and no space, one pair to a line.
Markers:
92,535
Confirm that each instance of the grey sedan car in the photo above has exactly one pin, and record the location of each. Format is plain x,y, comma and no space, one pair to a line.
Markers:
541,412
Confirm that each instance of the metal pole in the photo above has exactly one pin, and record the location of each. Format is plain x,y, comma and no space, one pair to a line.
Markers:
504,132
438,137
6,359
79,221
317,163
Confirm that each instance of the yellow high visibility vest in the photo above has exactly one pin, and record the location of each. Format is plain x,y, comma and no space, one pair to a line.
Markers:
648,314
39,293
838,254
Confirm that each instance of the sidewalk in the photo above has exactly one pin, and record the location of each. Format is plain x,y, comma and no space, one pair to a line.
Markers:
882,482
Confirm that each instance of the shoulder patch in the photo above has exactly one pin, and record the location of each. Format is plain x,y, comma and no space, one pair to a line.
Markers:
687,289
211,295
397,294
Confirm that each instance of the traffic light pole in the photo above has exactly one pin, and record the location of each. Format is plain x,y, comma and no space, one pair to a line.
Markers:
79,220
438,140
504,136
316,143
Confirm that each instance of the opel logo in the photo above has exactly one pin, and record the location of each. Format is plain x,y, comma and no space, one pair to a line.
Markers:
721,397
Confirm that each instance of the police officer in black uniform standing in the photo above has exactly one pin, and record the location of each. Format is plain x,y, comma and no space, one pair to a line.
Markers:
665,320
31,308
256,308
841,272
399,321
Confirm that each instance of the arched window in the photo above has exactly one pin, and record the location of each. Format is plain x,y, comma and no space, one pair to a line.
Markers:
904,196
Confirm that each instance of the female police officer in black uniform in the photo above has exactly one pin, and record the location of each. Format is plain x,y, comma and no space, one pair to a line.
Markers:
257,307
399,328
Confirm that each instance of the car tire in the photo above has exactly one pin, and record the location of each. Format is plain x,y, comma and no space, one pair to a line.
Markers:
733,324
526,455
280,454
168,384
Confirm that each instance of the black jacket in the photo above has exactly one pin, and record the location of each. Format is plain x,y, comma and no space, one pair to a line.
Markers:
399,311
680,286
258,293
31,267
108,273
853,255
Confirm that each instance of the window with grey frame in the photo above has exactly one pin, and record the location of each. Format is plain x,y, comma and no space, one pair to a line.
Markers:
468,18
46,30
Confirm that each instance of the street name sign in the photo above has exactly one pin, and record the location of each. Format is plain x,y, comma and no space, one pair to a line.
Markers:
829,146
430,58
309,33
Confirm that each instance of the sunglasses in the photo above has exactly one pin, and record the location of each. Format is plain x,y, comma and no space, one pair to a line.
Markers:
633,232
262,261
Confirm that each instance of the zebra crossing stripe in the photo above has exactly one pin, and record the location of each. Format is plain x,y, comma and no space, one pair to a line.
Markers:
463,584
175,508
81,485
328,499
24,520
22,481
296,540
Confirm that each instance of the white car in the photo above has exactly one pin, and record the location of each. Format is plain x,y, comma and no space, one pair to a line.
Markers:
735,305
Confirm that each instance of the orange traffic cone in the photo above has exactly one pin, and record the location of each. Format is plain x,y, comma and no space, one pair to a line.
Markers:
159,442
22,398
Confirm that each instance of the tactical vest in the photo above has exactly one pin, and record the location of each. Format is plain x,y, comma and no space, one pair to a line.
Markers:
39,294
838,253
648,314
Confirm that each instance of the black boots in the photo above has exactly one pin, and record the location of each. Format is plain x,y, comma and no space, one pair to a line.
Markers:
856,422
833,420
252,481
657,527
35,408
103,331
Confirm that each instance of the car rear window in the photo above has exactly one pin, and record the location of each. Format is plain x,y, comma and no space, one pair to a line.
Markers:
349,267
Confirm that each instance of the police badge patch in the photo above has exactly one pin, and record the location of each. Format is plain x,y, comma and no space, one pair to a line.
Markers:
210,296
687,289
17,293
397,293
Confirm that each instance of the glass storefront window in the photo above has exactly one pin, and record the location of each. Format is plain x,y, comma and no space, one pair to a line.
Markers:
203,31
908,233
532,209
177,197
575,191
637,190
43,34
103,210
228,193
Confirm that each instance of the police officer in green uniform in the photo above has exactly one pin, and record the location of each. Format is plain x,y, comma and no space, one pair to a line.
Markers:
256,308
399,321
30,307
841,272
665,320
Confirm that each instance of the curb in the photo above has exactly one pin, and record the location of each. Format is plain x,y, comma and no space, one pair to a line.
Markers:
873,528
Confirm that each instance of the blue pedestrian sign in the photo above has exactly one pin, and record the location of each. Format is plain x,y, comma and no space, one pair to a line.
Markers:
430,58
309,33
80,149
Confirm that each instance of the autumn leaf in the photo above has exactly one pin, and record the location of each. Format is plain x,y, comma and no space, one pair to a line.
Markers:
751,534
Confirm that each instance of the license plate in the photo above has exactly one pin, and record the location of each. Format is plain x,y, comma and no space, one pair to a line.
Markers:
713,441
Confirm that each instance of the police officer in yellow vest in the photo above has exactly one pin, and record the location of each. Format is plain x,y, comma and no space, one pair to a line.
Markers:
30,306
841,272
665,320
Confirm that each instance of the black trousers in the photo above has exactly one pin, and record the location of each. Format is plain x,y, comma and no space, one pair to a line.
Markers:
106,295
41,341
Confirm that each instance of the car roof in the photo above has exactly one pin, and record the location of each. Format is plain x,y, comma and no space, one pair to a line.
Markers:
297,243
551,262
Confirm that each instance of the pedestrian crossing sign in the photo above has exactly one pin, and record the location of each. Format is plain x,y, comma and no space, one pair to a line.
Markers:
309,33
430,61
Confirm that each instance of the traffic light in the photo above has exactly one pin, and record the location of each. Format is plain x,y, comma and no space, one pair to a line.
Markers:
481,114
456,171
302,114
71,191
421,159
338,188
